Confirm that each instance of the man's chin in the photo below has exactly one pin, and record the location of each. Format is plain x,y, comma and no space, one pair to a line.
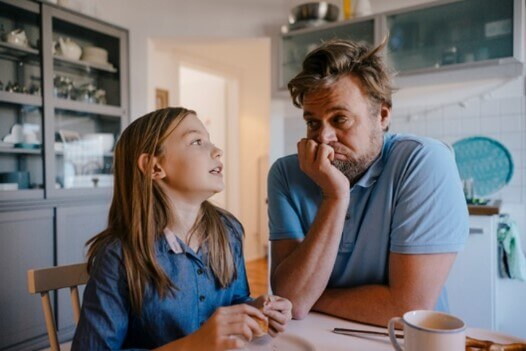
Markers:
341,157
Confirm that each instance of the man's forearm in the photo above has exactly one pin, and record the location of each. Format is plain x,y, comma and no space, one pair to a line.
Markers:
371,304
303,275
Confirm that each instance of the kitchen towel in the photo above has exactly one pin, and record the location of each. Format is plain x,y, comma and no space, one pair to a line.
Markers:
509,241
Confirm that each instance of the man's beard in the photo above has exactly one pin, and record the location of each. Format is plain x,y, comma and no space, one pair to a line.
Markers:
354,168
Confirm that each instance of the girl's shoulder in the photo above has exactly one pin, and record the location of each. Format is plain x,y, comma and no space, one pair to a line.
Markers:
108,257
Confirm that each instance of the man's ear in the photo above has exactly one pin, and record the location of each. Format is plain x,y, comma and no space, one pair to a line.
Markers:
385,116
156,168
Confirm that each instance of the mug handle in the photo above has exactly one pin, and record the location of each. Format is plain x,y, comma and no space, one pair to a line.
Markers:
392,336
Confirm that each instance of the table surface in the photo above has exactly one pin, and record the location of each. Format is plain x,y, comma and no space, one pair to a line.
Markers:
315,333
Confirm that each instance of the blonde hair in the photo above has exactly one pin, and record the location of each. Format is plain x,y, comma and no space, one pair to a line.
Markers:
336,58
140,211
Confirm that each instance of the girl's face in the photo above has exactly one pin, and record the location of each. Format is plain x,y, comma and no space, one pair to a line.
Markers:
191,163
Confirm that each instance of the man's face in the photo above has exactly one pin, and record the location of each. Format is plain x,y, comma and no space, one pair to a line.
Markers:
341,116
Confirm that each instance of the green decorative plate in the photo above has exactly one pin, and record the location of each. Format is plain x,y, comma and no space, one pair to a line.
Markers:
486,161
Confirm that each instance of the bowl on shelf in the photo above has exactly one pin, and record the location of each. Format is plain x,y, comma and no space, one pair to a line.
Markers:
95,54
106,140
322,10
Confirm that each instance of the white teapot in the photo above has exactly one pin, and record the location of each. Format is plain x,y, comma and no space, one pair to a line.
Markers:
69,48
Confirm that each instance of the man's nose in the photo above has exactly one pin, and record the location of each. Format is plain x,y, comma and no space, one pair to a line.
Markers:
325,135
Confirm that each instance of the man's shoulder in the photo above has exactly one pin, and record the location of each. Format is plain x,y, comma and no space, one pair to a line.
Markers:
286,173
287,162
406,145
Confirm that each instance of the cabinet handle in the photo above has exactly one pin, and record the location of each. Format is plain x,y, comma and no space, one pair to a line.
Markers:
476,231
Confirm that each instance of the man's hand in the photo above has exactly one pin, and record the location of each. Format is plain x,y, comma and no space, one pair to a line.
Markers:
315,161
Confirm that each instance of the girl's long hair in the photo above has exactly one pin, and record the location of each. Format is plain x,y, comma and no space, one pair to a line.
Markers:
140,211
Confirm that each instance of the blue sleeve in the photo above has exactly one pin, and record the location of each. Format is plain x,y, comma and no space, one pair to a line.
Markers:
430,213
103,323
241,290
284,222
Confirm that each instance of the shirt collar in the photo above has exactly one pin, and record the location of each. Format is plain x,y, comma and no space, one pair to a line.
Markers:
373,172
173,241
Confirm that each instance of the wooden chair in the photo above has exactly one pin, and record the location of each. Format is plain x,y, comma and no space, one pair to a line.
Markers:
47,279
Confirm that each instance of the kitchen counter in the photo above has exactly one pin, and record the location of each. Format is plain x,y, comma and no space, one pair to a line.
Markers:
492,208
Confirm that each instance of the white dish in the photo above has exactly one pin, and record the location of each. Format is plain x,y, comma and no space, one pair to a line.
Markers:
8,186
283,342
104,140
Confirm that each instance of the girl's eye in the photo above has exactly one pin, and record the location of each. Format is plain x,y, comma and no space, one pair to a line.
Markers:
197,142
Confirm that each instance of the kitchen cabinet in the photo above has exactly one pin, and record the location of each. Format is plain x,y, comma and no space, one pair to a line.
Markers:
459,33
476,292
63,101
75,226
296,45
21,161
65,114
26,241
433,37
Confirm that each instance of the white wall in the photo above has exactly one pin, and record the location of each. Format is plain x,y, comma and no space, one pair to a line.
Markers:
181,19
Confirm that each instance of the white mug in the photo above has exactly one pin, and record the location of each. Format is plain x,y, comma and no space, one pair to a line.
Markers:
430,331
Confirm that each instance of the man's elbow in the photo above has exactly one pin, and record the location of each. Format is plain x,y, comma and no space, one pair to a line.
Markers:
299,307
299,312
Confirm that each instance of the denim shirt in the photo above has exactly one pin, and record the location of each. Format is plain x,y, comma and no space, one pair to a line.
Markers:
107,321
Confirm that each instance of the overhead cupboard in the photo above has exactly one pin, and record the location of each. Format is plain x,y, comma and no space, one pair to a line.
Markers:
433,37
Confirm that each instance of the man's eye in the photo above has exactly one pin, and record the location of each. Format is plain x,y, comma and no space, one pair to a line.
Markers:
340,119
311,124
197,142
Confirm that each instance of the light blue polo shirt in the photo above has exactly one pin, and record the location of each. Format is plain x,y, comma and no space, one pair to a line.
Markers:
409,201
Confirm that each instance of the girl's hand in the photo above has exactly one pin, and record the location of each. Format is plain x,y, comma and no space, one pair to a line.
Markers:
228,328
277,309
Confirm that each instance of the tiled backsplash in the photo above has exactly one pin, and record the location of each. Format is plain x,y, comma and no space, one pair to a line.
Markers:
499,114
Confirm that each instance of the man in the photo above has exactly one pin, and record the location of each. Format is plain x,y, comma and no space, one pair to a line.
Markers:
364,225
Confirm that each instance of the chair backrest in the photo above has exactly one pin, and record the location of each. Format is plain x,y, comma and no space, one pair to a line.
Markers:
48,279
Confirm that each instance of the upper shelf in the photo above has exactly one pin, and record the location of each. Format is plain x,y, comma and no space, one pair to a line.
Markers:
84,65
17,52
99,109
22,99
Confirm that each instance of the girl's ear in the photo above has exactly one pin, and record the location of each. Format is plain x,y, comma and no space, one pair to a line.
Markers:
156,170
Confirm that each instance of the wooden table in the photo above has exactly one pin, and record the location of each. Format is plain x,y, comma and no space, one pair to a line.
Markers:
314,333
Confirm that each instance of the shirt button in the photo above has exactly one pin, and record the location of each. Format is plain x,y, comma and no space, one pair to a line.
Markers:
199,271
202,298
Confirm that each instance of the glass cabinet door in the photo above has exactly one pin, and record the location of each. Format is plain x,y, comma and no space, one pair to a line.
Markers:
88,101
296,46
458,32
21,161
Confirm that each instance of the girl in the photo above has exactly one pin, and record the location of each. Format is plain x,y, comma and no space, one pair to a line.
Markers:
168,272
